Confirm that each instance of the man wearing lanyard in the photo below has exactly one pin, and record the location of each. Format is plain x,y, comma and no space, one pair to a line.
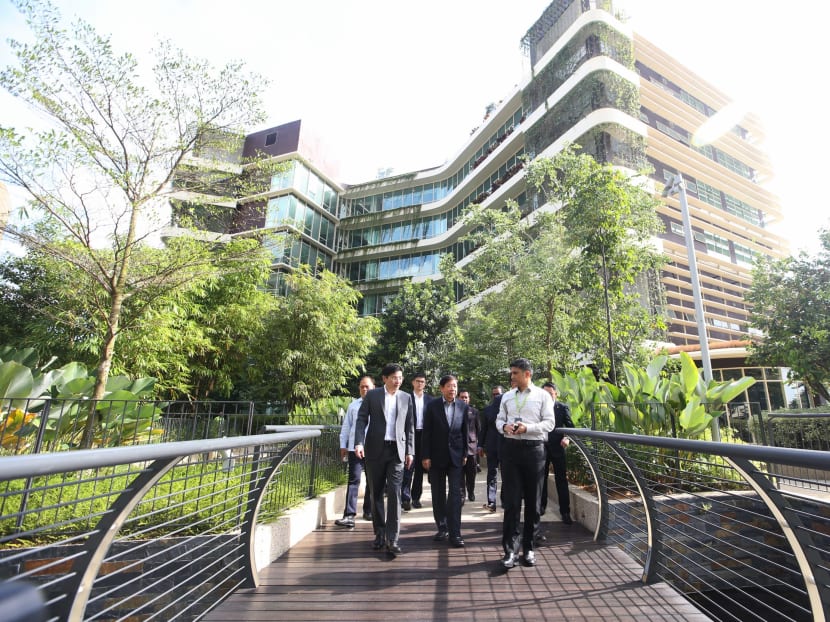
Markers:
525,418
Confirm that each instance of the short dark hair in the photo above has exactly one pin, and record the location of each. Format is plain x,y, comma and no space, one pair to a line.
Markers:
522,364
551,385
419,374
446,378
390,368
463,390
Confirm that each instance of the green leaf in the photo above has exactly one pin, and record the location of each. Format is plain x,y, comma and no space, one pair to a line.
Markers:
15,380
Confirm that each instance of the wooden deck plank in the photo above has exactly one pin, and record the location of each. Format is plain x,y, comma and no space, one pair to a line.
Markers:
333,574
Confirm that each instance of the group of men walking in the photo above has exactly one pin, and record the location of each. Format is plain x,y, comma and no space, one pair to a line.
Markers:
399,437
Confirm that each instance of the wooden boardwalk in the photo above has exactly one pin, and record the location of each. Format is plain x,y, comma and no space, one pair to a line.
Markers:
333,574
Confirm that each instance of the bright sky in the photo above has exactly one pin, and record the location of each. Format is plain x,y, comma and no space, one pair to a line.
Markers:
400,85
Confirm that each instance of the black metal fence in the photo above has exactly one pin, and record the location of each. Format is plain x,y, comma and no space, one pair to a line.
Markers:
721,522
35,425
161,531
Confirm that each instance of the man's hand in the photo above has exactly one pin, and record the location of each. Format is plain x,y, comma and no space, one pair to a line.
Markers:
343,453
426,463
408,460
358,451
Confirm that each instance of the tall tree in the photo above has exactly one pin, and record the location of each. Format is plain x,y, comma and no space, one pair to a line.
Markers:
790,301
314,341
101,170
419,329
608,218
541,275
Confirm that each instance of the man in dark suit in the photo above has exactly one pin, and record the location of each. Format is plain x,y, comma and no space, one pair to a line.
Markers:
488,445
445,451
556,446
468,480
413,477
385,436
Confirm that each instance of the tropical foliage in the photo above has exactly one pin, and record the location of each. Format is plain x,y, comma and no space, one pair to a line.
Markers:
57,403
679,404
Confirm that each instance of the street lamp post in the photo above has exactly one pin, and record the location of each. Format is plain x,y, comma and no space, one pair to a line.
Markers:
677,186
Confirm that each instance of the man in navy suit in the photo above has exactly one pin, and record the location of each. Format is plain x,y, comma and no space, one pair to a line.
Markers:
489,443
385,436
444,447
556,446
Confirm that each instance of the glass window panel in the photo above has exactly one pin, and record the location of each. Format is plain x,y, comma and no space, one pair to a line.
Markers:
386,234
315,188
272,213
315,227
371,270
301,178
308,225
428,194
329,199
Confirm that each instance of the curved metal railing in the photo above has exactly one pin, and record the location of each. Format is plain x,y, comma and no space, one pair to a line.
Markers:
160,531
718,521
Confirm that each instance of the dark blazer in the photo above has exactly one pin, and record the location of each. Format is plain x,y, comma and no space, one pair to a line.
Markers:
442,443
562,414
370,427
490,437
473,430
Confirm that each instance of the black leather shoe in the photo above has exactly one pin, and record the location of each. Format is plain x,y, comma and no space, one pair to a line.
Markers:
566,518
367,516
406,505
379,543
471,497
530,558
509,560
346,521
540,539
417,505
457,543
393,549
490,507
441,535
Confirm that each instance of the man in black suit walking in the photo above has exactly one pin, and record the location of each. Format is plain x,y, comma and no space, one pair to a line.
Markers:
556,446
413,477
444,447
489,443
468,480
385,436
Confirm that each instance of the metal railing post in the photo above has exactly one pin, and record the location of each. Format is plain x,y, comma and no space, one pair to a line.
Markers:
41,430
652,530
257,488
315,447
86,567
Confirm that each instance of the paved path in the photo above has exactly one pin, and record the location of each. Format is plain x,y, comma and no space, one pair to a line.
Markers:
333,574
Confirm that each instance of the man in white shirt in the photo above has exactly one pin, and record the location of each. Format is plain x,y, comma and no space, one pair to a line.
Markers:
525,418
365,384
413,477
